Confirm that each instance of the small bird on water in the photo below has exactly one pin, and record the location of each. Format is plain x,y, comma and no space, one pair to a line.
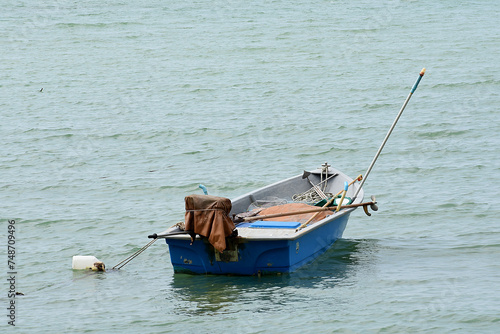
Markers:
41,90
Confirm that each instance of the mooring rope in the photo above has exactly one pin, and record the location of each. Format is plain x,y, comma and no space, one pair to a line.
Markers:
133,256
309,196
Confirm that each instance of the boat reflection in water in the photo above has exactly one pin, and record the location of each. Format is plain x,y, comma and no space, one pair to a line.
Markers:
339,267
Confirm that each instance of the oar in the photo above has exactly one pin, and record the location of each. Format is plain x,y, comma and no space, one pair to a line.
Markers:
421,74
372,204
330,201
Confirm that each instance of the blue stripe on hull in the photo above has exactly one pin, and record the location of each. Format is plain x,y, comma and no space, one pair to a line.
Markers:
254,257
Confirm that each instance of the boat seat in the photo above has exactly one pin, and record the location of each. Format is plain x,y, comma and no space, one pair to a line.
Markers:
274,224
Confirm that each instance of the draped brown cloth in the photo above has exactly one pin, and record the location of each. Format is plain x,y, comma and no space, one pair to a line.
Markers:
208,216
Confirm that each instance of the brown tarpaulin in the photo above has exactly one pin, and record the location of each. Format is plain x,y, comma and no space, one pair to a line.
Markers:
208,216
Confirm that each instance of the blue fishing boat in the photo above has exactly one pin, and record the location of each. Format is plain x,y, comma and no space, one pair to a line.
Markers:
263,243
275,229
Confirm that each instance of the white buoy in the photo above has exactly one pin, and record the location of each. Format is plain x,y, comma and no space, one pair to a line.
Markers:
87,262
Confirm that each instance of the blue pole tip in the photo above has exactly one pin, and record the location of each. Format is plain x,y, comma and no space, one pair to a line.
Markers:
346,185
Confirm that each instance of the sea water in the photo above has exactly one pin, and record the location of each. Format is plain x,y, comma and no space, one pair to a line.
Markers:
113,111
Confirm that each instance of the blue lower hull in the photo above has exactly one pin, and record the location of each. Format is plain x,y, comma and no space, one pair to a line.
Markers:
252,257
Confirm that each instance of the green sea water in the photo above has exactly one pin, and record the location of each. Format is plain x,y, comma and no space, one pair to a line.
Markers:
111,112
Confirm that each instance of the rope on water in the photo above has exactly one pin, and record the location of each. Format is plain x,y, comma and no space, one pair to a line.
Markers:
133,256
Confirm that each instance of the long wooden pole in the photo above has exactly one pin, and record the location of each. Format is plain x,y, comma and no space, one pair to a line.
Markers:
299,212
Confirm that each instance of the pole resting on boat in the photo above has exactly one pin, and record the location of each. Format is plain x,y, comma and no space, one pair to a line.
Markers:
421,74
372,205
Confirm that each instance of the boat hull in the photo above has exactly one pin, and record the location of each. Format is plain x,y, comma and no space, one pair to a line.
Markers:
255,257
266,247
